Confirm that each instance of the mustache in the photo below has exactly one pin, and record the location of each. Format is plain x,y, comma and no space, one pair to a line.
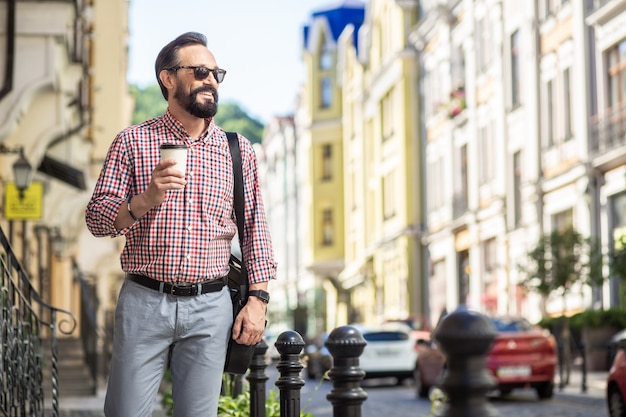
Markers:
204,88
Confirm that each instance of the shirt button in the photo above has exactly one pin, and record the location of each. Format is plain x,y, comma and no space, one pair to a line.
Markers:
189,228
188,257
189,200
190,174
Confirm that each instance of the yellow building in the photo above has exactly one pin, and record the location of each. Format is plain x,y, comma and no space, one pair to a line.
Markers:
358,124
383,254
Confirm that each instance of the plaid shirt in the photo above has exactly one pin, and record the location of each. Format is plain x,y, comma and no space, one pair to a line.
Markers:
187,238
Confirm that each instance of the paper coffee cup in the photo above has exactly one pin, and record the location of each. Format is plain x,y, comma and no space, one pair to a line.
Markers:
177,152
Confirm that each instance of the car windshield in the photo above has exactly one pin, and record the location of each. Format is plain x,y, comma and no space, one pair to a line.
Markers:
387,336
511,325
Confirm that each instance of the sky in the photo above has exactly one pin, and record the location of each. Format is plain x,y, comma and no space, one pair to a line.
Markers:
258,43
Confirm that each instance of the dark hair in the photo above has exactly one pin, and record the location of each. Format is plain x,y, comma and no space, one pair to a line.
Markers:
168,57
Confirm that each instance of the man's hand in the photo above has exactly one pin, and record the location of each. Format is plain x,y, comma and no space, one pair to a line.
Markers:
249,324
165,176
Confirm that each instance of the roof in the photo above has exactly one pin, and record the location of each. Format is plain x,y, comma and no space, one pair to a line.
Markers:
338,15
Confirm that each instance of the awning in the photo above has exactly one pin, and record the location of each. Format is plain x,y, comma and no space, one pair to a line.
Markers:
64,172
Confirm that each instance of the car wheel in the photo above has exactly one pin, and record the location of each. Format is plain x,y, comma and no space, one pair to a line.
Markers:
545,390
420,388
617,406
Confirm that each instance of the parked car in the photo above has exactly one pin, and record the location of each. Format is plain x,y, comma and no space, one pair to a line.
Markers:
616,379
389,352
522,356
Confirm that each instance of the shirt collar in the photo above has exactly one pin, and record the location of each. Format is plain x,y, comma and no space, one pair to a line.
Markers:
177,128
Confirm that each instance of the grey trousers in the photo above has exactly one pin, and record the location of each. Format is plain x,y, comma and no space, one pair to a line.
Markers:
146,324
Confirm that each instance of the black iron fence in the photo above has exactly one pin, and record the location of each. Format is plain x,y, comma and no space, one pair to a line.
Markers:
88,323
26,322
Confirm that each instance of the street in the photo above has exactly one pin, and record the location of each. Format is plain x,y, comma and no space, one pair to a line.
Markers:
392,401
388,400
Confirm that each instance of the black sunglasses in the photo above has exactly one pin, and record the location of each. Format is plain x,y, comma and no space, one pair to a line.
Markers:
201,73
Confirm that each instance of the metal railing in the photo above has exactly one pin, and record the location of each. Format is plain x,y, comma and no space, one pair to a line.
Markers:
88,323
23,330
608,131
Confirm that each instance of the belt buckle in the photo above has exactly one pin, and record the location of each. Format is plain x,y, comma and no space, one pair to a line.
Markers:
173,289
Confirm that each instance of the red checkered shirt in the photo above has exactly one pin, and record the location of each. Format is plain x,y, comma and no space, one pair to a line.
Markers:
187,238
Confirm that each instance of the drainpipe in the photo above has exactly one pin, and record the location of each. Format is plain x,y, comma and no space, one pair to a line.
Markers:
7,85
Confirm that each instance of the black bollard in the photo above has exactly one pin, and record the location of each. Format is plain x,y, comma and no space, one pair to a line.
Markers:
289,344
465,337
257,379
346,345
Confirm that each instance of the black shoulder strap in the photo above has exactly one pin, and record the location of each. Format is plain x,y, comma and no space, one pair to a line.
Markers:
235,152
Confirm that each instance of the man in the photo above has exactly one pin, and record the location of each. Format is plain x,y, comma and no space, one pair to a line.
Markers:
179,223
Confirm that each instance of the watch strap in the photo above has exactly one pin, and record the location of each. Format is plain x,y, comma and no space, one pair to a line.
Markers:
260,294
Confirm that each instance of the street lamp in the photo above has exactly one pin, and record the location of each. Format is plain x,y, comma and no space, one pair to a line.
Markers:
22,169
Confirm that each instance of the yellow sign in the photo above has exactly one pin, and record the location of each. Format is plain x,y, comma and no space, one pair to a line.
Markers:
25,206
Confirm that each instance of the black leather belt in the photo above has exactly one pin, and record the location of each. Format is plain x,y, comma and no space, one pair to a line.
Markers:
184,290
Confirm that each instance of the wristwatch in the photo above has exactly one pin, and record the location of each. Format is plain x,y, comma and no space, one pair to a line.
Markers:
261,295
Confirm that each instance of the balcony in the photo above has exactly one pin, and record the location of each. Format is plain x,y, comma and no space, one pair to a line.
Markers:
594,5
608,131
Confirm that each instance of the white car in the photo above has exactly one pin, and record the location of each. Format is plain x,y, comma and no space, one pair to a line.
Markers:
390,351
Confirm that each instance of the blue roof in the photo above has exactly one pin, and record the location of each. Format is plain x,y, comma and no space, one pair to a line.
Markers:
339,15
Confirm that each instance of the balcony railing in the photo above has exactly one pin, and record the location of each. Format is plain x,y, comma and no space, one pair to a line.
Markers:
608,131
593,5
23,331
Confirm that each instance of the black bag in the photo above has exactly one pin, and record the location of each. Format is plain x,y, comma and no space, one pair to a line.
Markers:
238,357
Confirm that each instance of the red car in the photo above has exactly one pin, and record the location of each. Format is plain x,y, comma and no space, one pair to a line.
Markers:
616,380
522,356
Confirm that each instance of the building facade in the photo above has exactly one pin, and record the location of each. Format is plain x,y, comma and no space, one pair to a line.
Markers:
63,99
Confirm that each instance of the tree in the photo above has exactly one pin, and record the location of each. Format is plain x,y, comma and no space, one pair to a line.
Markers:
149,103
560,260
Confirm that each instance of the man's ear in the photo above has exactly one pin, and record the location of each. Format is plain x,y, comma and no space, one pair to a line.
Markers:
167,79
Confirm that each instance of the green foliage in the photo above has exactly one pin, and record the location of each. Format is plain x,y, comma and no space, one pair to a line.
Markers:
229,406
613,317
561,259
590,319
230,116
149,102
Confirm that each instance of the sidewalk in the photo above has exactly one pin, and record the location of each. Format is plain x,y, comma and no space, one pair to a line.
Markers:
596,385
91,406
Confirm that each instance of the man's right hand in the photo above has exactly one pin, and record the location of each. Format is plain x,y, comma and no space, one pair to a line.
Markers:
165,176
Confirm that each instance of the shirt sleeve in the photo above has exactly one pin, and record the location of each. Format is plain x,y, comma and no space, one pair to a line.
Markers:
111,190
257,243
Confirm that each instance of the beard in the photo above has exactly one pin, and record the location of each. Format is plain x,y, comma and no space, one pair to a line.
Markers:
189,101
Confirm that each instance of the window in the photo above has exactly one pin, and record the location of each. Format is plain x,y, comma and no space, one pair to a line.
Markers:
386,115
328,229
517,188
435,186
549,114
483,48
487,154
326,57
389,196
567,105
326,92
327,162
515,69
616,62
563,220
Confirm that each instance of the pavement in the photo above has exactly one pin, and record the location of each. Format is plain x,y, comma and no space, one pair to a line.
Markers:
92,406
